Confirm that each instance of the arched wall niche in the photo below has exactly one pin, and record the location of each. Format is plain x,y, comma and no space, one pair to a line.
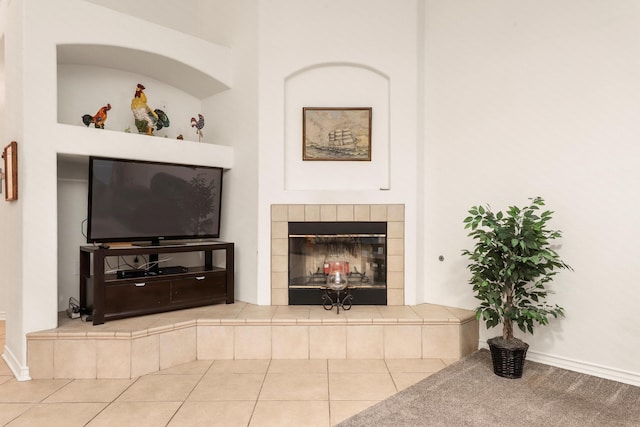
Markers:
337,84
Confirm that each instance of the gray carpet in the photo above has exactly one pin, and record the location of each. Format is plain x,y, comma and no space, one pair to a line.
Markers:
468,393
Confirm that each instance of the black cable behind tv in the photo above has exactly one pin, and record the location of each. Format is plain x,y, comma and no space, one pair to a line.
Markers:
153,271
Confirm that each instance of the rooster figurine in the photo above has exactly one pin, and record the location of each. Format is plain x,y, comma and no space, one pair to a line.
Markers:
198,124
97,120
146,118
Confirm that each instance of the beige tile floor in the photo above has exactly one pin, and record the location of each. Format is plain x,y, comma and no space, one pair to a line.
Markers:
213,393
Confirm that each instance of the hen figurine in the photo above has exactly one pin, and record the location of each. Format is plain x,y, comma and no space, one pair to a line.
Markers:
198,124
97,120
146,118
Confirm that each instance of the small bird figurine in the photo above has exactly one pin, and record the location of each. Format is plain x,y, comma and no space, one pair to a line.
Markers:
145,117
198,124
97,120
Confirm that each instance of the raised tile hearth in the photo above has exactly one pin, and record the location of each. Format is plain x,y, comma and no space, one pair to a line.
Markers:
129,348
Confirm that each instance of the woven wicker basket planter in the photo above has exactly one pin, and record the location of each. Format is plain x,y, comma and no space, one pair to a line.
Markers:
508,362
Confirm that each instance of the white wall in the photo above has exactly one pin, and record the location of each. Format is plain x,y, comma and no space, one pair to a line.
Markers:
183,15
3,251
234,121
541,98
298,37
72,211
12,213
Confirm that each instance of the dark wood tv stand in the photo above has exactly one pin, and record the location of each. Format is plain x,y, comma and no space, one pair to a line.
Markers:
106,296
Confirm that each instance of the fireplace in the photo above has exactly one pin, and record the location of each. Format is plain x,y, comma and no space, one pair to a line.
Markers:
392,214
356,250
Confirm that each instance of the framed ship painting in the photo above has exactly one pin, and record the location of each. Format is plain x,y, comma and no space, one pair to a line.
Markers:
339,134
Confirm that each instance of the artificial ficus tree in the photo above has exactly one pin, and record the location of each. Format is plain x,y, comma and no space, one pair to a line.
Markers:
511,264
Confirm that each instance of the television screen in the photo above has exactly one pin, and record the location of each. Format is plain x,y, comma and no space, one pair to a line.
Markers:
132,200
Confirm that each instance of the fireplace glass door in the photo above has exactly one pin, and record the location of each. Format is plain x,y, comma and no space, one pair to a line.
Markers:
360,248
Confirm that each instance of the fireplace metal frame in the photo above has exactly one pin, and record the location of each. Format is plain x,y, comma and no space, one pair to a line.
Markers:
360,295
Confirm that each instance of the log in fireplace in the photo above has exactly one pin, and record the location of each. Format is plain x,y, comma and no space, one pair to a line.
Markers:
361,246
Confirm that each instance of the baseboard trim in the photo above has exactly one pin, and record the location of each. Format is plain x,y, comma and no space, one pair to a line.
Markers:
3,315
20,372
586,368
582,367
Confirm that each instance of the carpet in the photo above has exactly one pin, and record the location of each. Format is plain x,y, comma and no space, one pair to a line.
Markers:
468,393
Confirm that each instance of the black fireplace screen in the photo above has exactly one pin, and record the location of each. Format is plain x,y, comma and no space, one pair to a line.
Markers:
315,246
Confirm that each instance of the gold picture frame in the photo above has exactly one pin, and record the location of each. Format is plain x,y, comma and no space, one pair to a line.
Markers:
336,134
10,156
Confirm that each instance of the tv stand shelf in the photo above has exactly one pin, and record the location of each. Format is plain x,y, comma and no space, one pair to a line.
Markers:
108,297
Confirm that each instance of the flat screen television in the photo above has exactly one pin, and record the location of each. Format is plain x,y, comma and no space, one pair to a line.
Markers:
142,201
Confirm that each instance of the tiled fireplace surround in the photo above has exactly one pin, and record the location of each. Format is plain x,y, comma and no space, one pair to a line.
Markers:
129,348
281,215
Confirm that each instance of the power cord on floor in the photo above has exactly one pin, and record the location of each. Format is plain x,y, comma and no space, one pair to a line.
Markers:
73,311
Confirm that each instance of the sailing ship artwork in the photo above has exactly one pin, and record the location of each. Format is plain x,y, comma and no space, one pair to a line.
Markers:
336,134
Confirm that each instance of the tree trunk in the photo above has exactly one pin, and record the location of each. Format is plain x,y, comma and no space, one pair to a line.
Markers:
507,329
507,323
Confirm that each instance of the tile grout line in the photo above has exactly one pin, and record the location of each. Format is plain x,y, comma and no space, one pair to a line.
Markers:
190,392
113,400
390,375
328,390
255,405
